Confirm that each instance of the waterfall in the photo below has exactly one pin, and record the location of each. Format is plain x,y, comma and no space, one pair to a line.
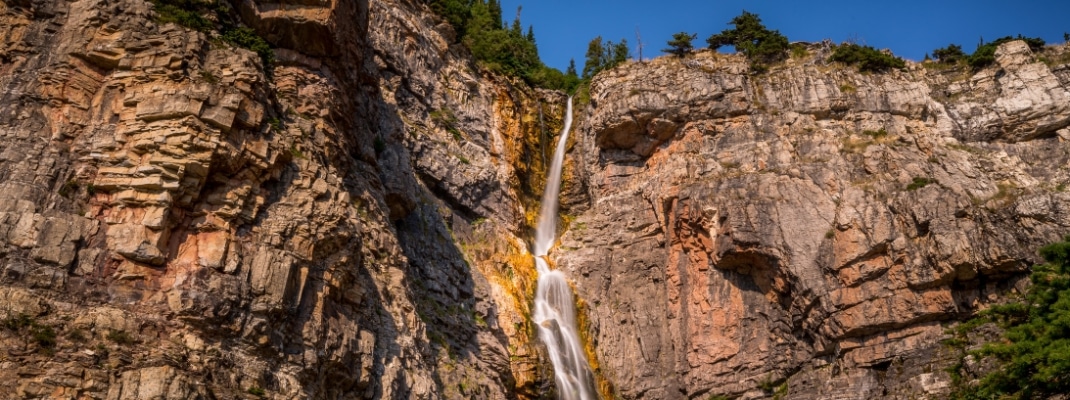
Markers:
555,309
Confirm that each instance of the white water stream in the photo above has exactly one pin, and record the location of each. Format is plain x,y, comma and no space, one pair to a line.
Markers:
555,309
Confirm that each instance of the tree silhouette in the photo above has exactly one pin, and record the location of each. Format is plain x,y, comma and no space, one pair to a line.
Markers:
680,45
761,45
950,54
594,61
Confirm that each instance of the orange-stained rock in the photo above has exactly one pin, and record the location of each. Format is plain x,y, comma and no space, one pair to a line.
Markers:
774,237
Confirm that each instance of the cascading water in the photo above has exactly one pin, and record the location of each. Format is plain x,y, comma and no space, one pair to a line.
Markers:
555,310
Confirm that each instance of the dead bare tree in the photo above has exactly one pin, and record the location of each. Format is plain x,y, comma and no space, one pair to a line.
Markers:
639,43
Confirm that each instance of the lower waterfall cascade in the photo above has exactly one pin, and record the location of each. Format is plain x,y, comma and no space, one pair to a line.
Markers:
555,307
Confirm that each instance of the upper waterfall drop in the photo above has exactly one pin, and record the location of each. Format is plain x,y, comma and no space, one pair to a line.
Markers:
546,230
555,308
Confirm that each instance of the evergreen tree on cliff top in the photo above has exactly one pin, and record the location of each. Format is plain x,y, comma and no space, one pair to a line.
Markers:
502,48
680,45
604,55
750,37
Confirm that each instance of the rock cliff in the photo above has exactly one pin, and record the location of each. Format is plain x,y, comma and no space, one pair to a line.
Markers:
810,232
179,219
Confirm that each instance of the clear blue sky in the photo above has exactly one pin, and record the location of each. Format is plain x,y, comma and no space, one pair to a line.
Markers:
910,28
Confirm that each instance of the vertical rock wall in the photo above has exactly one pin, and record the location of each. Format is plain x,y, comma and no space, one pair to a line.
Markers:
809,233
187,224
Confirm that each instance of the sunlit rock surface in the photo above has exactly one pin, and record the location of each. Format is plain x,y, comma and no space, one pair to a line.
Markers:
353,222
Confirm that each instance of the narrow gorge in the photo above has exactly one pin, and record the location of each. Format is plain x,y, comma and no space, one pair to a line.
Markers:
356,212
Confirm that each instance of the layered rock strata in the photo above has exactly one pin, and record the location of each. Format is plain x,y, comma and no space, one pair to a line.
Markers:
179,220
812,231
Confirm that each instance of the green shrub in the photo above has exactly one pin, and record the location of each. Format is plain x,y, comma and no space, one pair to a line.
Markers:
985,54
1033,356
295,152
767,384
17,322
919,182
950,54
552,78
120,337
877,134
275,124
188,13
77,335
70,187
447,120
761,45
207,76
866,58
44,336
247,38
208,15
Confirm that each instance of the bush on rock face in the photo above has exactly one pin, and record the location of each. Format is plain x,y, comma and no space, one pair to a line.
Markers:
950,54
985,54
867,58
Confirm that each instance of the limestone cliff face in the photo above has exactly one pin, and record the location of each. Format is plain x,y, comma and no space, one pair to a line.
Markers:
189,225
808,233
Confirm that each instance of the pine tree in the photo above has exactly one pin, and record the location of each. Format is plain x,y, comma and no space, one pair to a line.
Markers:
1033,356
498,46
595,52
761,45
572,80
680,45
620,52
455,12
607,55
495,9
517,30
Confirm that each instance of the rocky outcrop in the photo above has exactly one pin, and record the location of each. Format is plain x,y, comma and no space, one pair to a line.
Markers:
810,232
181,221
